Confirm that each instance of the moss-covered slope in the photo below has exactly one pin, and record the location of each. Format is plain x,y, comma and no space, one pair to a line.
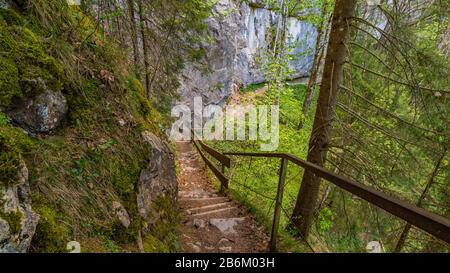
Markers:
96,156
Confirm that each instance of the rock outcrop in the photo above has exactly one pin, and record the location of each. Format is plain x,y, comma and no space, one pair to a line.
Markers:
241,32
42,113
158,181
121,213
4,5
17,219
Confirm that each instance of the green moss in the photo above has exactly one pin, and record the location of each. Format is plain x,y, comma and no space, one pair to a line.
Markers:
33,60
154,245
124,170
24,56
7,41
52,234
9,82
198,54
12,143
11,17
147,116
14,139
14,220
141,104
4,120
163,234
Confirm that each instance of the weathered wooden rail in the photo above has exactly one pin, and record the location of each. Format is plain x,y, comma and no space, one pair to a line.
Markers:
432,223
223,159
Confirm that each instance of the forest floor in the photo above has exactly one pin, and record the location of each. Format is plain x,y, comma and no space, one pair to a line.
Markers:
212,222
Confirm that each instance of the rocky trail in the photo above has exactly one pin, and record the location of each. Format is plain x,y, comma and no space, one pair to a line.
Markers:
212,222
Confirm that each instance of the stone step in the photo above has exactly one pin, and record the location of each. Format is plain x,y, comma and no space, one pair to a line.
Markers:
189,203
208,207
195,194
204,199
218,213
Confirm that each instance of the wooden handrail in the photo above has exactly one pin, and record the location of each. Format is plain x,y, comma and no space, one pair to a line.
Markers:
225,160
430,222
222,178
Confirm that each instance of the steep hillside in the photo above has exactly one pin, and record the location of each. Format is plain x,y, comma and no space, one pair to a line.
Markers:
83,157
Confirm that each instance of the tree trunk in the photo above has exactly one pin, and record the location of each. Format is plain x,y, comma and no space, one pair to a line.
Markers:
405,232
318,55
134,41
318,147
144,46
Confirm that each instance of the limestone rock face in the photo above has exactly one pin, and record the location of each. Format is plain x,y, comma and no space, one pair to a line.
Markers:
41,114
159,180
4,5
17,219
241,35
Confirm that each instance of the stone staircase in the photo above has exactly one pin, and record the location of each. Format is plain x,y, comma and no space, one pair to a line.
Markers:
206,205
211,221
216,224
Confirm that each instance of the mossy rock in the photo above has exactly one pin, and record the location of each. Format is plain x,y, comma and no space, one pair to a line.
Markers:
51,234
14,220
9,82
15,139
12,143
9,162
24,57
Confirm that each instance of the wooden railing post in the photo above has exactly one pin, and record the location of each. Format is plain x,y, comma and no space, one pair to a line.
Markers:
278,205
223,186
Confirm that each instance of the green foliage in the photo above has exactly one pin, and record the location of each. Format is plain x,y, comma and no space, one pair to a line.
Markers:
110,245
253,177
252,88
390,130
198,54
325,221
4,120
